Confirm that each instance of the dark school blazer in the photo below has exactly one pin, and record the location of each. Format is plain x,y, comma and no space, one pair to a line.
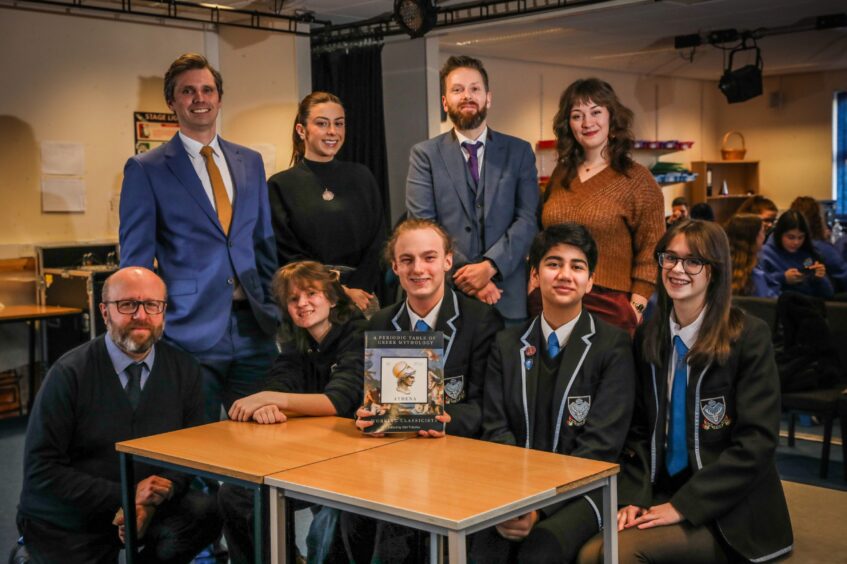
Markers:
733,429
597,369
469,327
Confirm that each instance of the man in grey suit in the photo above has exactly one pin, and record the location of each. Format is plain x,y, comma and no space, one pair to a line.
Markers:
480,185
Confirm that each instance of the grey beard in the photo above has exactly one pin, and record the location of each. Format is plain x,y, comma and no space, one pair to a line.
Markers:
128,345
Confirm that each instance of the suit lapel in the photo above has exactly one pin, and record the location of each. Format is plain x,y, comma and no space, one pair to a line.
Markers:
401,320
454,162
446,320
492,165
180,165
529,357
235,162
576,350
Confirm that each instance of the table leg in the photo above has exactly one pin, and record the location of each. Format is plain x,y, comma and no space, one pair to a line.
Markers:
31,395
610,521
258,530
279,526
436,548
458,551
128,502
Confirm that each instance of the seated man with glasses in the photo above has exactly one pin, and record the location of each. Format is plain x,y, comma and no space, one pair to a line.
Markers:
120,386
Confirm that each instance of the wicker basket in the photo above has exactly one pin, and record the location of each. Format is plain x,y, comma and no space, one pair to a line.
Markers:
733,154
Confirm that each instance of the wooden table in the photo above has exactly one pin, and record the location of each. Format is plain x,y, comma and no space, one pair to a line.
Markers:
30,314
448,487
242,454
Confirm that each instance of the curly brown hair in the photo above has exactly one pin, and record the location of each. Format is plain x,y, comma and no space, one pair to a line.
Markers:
571,153
743,230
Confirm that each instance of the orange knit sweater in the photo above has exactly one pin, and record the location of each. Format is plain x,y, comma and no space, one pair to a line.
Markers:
625,216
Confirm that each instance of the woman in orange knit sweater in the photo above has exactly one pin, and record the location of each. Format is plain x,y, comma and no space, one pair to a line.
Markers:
596,183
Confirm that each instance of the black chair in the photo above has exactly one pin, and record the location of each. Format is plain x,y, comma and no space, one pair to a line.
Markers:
827,403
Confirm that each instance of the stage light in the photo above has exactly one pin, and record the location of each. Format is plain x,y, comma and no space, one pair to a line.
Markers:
742,84
417,17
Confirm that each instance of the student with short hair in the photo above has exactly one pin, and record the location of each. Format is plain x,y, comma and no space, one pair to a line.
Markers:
563,382
701,485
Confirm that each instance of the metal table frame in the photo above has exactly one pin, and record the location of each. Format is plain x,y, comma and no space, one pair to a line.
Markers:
457,545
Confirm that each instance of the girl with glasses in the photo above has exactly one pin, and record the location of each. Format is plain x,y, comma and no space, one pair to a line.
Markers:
791,262
698,479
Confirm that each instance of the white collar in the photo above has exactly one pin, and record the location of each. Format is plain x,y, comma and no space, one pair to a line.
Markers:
430,318
192,146
689,333
563,333
481,139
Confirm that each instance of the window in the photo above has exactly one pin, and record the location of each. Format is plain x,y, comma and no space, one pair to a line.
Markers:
839,153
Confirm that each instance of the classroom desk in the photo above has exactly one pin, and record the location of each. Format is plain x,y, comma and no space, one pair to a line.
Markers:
242,454
448,487
30,314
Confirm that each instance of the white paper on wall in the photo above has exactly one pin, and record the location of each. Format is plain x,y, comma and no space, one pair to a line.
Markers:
62,194
58,157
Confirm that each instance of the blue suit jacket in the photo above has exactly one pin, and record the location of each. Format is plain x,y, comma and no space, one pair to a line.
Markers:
436,188
165,214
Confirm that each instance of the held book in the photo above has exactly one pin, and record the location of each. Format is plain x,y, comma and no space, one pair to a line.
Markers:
404,380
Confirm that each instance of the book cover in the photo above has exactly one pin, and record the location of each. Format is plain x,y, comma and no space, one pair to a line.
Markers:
404,380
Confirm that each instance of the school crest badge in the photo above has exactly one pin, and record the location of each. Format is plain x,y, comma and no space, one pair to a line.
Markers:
454,388
714,413
578,408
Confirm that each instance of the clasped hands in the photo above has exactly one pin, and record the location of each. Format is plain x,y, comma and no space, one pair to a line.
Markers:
475,280
149,493
258,407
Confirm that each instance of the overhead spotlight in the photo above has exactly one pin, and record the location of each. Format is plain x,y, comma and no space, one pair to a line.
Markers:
744,83
417,17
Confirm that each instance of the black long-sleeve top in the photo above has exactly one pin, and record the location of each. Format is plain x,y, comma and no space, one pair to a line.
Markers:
334,367
347,229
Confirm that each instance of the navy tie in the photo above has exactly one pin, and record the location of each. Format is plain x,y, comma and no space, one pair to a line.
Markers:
473,161
133,385
420,325
677,454
553,345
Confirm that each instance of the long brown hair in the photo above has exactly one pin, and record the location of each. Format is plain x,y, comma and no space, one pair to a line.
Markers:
811,210
298,145
743,230
304,275
722,323
571,153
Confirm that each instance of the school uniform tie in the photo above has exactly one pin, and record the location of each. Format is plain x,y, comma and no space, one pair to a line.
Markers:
133,385
421,325
553,345
677,452
473,161
222,203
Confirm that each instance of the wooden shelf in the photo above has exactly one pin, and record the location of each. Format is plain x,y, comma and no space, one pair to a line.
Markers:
742,180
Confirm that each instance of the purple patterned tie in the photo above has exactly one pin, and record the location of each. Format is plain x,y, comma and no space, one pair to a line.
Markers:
473,162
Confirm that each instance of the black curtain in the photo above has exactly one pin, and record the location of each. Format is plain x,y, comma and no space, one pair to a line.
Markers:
354,74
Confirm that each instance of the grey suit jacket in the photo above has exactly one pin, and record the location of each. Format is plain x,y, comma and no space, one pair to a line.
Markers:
437,188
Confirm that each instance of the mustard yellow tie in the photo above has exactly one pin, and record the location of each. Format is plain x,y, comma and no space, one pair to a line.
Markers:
222,203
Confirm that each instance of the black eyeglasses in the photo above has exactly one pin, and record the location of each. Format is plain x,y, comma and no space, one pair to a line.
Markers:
691,265
129,307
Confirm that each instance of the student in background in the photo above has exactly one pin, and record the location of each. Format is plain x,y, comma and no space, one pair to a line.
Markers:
836,268
318,372
701,485
679,211
789,259
764,208
746,234
576,376
703,211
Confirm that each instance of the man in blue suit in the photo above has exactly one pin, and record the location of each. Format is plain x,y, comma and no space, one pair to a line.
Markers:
480,185
198,205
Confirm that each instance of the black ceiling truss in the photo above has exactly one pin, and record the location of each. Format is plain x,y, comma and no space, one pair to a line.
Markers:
210,13
448,16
